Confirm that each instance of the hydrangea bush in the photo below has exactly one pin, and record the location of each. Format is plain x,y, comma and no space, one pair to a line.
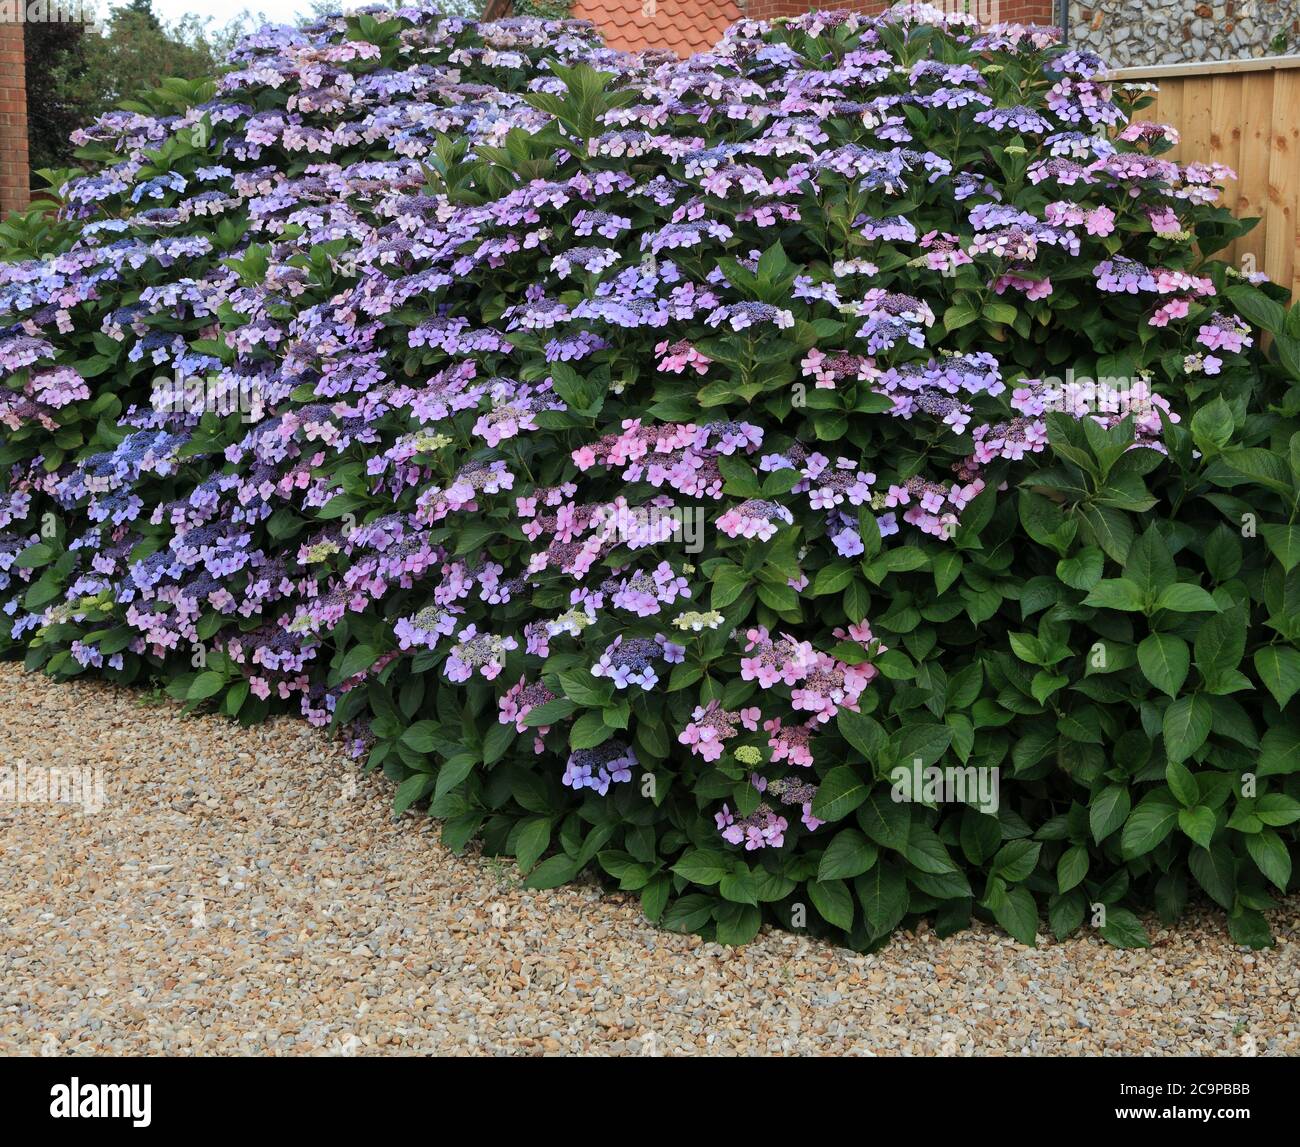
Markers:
641,460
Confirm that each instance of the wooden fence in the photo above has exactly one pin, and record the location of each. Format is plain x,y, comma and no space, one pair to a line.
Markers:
1245,113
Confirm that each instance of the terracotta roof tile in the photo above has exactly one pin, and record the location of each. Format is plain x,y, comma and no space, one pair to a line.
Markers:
683,26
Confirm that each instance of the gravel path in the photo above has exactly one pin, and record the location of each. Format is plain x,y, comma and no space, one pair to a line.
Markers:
246,892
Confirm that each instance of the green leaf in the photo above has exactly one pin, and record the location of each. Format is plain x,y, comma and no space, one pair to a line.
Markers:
689,913
1277,809
421,737
959,315
832,578
1220,644
885,821
1212,425
410,791
1082,571
1065,913
1116,593
206,684
739,886
589,730
357,660
703,866
1016,860
1165,660
1150,566
1247,926
35,556
1279,751
964,686
1147,826
1187,723
926,743
1263,466
1215,871
946,567
1223,554
1072,867
1257,307
1197,823
1108,810
578,392
550,713
882,892
552,872
773,263
729,582
1109,528
926,851
737,923
1123,929
1026,647
455,770
834,901
864,733
1270,856
1171,896
683,676
1183,597
654,896
1278,667
849,854
1284,541
584,689
1045,684
532,840
1001,313
1018,915
840,792
1182,784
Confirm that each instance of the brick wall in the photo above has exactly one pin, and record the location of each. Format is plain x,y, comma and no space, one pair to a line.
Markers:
14,175
1003,11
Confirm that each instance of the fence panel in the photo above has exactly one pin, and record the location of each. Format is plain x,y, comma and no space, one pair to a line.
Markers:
1245,113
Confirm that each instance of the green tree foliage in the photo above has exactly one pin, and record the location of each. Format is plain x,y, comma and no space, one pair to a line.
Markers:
77,71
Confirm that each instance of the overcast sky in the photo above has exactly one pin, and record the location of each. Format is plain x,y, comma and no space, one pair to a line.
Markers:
221,11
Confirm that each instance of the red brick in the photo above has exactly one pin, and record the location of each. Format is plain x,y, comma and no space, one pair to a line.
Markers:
14,177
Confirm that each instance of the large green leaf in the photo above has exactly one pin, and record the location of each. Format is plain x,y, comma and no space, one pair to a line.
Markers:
1284,541
1271,856
1278,667
1215,871
849,854
833,900
1165,660
840,792
1149,565
1147,826
1220,644
882,892
885,821
1018,914
1108,810
1187,724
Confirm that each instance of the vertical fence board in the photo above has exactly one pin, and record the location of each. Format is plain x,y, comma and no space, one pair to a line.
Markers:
1225,139
1283,179
1195,123
1252,187
1168,108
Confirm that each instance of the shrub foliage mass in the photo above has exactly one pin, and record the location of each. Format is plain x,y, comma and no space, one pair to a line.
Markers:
690,470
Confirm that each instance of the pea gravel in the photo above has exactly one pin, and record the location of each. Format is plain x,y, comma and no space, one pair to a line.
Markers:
246,891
